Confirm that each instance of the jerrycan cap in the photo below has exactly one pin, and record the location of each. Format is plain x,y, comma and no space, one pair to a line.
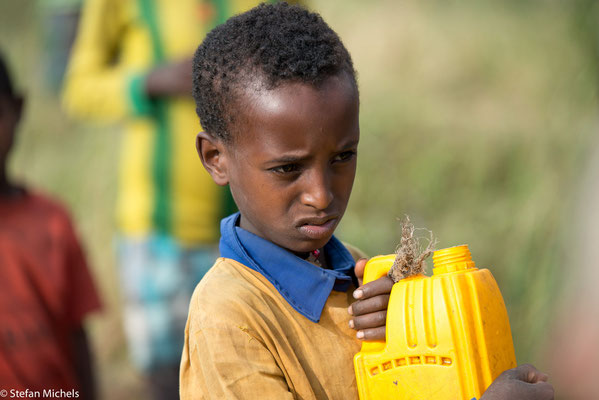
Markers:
452,259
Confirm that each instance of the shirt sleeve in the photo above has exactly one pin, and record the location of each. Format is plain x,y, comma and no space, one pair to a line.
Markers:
98,85
224,360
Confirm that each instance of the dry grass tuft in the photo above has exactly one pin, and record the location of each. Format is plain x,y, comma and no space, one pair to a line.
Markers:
410,258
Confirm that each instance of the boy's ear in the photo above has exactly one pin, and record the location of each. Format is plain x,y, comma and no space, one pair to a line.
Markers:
214,159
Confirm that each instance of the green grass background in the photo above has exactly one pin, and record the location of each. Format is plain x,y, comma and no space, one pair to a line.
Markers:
476,117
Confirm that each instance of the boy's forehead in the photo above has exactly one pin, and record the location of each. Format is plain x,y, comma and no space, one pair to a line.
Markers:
257,104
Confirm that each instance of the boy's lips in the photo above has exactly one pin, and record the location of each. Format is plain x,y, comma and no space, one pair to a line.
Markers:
318,228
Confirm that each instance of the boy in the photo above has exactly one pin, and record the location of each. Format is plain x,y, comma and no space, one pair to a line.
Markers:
45,287
277,95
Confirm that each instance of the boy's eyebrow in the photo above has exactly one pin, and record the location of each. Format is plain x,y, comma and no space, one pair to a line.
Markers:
288,159
294,159
350,144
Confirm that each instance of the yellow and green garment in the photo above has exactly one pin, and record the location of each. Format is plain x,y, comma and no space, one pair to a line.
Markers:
163,187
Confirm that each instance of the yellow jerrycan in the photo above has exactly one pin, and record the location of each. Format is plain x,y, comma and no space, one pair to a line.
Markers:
448,336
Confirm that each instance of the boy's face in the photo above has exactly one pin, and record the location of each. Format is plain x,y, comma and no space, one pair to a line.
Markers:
292,161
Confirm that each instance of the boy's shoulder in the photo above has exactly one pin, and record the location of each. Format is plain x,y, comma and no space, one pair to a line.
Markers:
229,285
232,294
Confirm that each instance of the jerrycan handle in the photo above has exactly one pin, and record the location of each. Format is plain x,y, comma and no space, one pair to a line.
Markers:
376,268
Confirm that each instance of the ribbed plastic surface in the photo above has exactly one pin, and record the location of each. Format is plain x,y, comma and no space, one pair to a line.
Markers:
448,335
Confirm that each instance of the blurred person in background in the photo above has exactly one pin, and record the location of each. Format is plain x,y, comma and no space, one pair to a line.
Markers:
59,23
572,350
132,62
46,289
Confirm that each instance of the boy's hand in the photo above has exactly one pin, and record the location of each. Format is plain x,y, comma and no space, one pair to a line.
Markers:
370,309
170,80
523,382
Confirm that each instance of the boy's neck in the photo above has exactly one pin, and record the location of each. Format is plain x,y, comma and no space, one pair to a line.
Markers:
316,257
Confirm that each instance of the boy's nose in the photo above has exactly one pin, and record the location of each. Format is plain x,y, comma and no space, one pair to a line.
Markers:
317,192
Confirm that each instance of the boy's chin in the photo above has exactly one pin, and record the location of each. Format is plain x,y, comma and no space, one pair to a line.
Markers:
304,248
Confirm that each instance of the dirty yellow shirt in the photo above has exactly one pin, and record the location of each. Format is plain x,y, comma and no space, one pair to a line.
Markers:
244,341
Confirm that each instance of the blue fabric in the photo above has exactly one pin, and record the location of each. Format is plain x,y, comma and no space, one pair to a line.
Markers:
305,286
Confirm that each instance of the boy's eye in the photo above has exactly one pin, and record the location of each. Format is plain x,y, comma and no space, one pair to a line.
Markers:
286,169
345,156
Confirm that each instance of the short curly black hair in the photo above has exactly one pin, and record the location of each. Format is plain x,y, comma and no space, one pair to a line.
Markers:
267,45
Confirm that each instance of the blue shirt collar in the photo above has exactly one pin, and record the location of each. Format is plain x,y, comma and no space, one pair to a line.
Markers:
305,286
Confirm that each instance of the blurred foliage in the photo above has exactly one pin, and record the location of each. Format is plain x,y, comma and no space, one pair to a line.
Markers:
476,121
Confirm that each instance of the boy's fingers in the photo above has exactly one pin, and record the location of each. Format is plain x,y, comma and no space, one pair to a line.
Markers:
372,320
544,390
372,334
374,288
377,303
528,373
539,377
534,391
522,382
359,270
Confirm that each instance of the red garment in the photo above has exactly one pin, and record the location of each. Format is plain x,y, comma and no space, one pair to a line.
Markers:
45,291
